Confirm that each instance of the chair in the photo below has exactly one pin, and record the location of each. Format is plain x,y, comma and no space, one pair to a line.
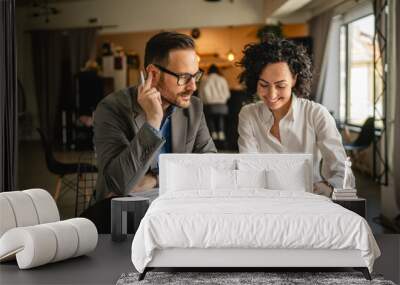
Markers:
362,142
365,138
62,169
86,181
33,234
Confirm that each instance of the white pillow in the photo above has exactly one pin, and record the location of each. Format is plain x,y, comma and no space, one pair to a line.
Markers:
251,179
188,177
291,179
223,179
280,174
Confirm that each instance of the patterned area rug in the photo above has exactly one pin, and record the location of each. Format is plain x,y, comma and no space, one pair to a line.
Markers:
225,278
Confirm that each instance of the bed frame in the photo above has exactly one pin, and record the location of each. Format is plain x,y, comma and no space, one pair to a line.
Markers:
242,259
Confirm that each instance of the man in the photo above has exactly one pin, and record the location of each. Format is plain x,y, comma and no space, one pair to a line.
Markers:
133,126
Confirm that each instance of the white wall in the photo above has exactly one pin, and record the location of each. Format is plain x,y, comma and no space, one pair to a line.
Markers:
145,15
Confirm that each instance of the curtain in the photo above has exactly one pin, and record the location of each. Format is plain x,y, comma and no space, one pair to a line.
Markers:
396,152
57,57
47,54
81,43
329,84
8,98
319,28
81,47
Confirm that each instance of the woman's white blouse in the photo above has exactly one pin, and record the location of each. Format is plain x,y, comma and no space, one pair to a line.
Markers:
308,127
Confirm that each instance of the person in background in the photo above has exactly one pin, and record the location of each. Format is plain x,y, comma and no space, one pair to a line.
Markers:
285,120
214,92
90,89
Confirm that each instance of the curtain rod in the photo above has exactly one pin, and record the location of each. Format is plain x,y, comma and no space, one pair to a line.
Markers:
71,28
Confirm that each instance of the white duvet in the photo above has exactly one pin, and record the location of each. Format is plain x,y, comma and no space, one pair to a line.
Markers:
252,218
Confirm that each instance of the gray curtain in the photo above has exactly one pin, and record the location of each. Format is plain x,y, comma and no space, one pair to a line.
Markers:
81,44
396,158
8,97
47,54
57,56
319,28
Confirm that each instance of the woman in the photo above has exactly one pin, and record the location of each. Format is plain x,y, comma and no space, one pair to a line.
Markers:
284,120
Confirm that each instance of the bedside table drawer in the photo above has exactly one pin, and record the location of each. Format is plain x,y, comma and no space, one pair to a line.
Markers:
358,206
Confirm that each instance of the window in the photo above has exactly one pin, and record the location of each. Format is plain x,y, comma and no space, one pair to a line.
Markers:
357,71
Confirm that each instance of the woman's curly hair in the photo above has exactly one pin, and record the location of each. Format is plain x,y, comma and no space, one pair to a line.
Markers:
272,50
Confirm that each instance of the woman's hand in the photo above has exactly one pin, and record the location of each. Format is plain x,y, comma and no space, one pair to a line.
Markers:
146,183
322,188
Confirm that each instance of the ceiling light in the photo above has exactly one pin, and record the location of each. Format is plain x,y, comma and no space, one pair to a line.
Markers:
230,55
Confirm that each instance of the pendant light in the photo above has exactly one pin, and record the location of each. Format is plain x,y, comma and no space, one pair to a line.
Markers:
230,55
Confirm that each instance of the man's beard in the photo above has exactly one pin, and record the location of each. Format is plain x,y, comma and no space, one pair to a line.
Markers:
185,93
175,102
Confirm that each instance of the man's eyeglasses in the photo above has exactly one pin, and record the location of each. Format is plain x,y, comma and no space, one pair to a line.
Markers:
182,78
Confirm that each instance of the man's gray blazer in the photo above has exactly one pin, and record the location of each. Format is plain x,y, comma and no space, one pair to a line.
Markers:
126,145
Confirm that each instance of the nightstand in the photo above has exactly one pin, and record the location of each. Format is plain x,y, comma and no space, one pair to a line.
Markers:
120,206
358,205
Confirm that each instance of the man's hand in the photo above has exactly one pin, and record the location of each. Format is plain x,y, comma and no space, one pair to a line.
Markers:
150,100
321,188
146,183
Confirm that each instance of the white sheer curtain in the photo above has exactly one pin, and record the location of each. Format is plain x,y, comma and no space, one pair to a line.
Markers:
319,27
328,90
390,195
396,139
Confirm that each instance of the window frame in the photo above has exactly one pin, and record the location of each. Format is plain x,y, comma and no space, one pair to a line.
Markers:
347,94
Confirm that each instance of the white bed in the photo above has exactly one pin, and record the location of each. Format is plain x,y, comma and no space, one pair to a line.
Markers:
225,210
